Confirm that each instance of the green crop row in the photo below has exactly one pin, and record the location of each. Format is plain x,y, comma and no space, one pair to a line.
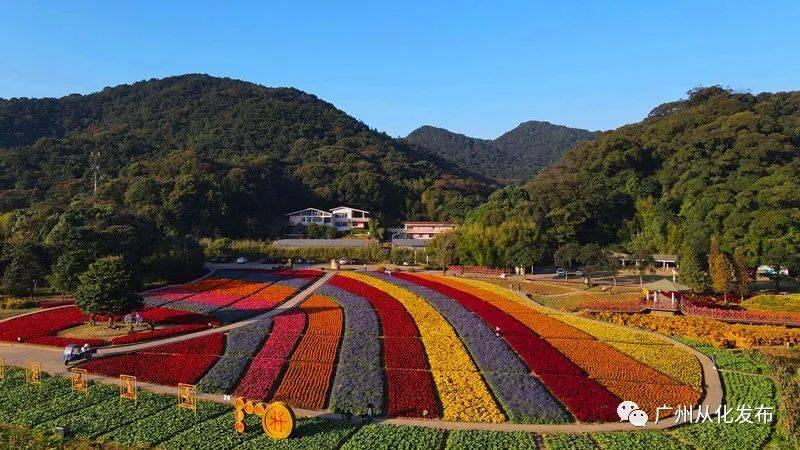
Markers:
469,439
110,414
165,424
390,437
156,420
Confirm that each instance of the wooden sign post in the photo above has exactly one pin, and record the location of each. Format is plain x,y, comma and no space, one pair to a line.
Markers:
2,368
33,373
80,382
187,397
128,389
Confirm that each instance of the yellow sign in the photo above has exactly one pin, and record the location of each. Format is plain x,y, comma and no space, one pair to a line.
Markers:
2,368
187,397
277,419
80,382
33,372
127,388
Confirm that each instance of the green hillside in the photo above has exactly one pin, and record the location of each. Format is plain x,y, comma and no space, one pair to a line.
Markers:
718,163
214,156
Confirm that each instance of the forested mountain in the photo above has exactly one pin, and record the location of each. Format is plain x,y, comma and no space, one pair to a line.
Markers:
717,164
516,156
214,156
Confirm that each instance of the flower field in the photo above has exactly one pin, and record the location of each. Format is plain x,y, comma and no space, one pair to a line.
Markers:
155,422
42,327
423,345
710,331
168,364
231,295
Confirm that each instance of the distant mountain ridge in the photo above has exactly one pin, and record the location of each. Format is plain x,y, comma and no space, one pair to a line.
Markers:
516,156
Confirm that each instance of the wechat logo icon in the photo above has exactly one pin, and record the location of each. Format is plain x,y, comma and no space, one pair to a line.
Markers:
629,411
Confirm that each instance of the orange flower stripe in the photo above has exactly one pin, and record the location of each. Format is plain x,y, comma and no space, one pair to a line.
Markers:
545,326
651,396
306,381
621,374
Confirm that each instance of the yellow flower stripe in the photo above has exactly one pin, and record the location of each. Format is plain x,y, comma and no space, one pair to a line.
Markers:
650,350
464,394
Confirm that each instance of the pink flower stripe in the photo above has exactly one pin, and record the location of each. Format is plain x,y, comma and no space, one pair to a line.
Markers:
268,364
170,294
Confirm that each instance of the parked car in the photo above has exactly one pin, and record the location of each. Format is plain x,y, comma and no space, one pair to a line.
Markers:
561,273
343,261
578,273
241,260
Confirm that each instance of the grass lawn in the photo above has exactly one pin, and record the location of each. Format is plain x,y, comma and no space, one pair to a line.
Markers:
773,302
6,313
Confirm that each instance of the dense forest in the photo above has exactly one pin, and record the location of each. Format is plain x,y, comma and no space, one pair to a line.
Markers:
718,164
516,156
189,157
213,156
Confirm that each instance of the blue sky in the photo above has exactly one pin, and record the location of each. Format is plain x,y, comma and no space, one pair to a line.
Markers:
478,68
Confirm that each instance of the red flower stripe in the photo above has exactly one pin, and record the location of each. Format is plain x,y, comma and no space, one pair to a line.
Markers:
308,376
562,376
411,388
169,364
272,358
63,341
43,323
158,333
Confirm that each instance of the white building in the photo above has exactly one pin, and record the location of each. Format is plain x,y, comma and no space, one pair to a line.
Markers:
426,230
345,218
342,218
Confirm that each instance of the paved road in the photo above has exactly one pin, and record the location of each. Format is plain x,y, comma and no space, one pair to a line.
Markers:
51,360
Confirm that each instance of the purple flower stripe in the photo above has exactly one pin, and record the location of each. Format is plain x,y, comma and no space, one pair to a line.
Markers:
359,379
241,346
523,396
359,316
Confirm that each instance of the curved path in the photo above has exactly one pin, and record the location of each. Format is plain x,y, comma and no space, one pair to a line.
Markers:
51,360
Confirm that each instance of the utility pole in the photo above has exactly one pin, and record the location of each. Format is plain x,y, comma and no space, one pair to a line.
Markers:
95,162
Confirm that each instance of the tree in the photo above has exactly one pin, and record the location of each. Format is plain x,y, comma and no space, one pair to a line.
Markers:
375,230
741,277
594,259
776,257
565,254
443,247
26,267
67,268
644,261
523,255
107,288
720,270
691,271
